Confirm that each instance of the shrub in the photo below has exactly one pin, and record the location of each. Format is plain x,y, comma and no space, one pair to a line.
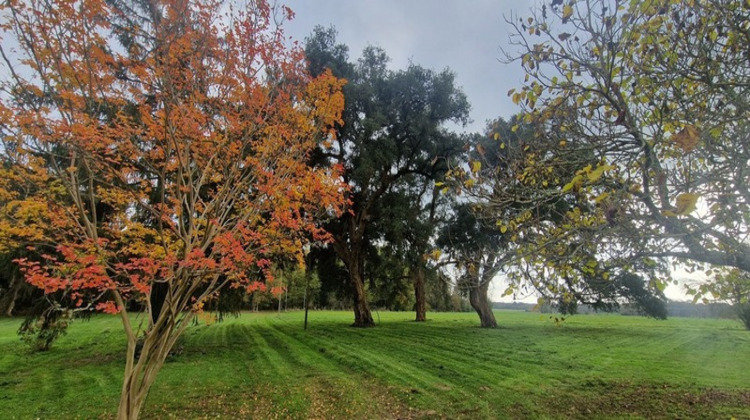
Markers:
40,331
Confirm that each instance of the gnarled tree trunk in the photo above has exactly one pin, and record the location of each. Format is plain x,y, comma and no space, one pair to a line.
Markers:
362,314
351,254
480,302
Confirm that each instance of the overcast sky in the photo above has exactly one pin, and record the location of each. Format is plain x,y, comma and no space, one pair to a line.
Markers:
463,35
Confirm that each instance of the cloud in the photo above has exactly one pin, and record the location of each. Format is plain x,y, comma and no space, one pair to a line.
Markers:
465,36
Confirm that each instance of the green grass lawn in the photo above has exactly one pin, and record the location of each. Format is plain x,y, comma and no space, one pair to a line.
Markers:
265,366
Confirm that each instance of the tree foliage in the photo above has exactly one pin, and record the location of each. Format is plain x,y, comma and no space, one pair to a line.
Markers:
159,143
641,108
522,208
393,142
476,252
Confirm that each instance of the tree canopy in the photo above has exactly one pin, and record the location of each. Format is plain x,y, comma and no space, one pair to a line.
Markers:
641,108
393,142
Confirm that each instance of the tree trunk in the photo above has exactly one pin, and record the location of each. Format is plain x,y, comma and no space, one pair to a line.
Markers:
141,374
362,314
420,306
351,255
8,300
481,303
141,370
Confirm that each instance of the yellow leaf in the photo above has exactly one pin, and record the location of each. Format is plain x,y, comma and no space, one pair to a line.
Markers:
567,12
503,229
685,203
569,186
575,182
476,166
598,172
595,174
497,136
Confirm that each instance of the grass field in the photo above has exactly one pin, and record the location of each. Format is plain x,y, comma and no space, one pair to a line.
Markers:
265,366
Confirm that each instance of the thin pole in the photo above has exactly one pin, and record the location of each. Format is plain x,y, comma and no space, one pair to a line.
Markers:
307,287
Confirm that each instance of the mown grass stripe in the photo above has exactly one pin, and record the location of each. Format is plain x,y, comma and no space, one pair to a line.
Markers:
265,366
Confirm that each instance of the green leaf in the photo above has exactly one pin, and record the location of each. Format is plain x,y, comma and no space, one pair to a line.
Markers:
660,285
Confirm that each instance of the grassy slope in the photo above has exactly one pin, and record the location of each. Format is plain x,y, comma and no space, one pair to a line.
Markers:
264,366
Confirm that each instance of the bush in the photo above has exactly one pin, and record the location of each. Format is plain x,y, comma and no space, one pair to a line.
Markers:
40,331
743,312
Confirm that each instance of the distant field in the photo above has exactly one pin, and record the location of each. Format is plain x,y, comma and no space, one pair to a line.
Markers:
264,366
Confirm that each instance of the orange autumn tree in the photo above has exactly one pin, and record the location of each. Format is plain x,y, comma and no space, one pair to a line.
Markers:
169,141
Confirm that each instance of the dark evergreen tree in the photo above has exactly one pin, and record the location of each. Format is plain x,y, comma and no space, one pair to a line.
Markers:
393,143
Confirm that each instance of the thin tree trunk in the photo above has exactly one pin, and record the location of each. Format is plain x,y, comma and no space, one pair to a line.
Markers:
140,374
8,300
141,371
140,377
419,295
480,302
305,302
